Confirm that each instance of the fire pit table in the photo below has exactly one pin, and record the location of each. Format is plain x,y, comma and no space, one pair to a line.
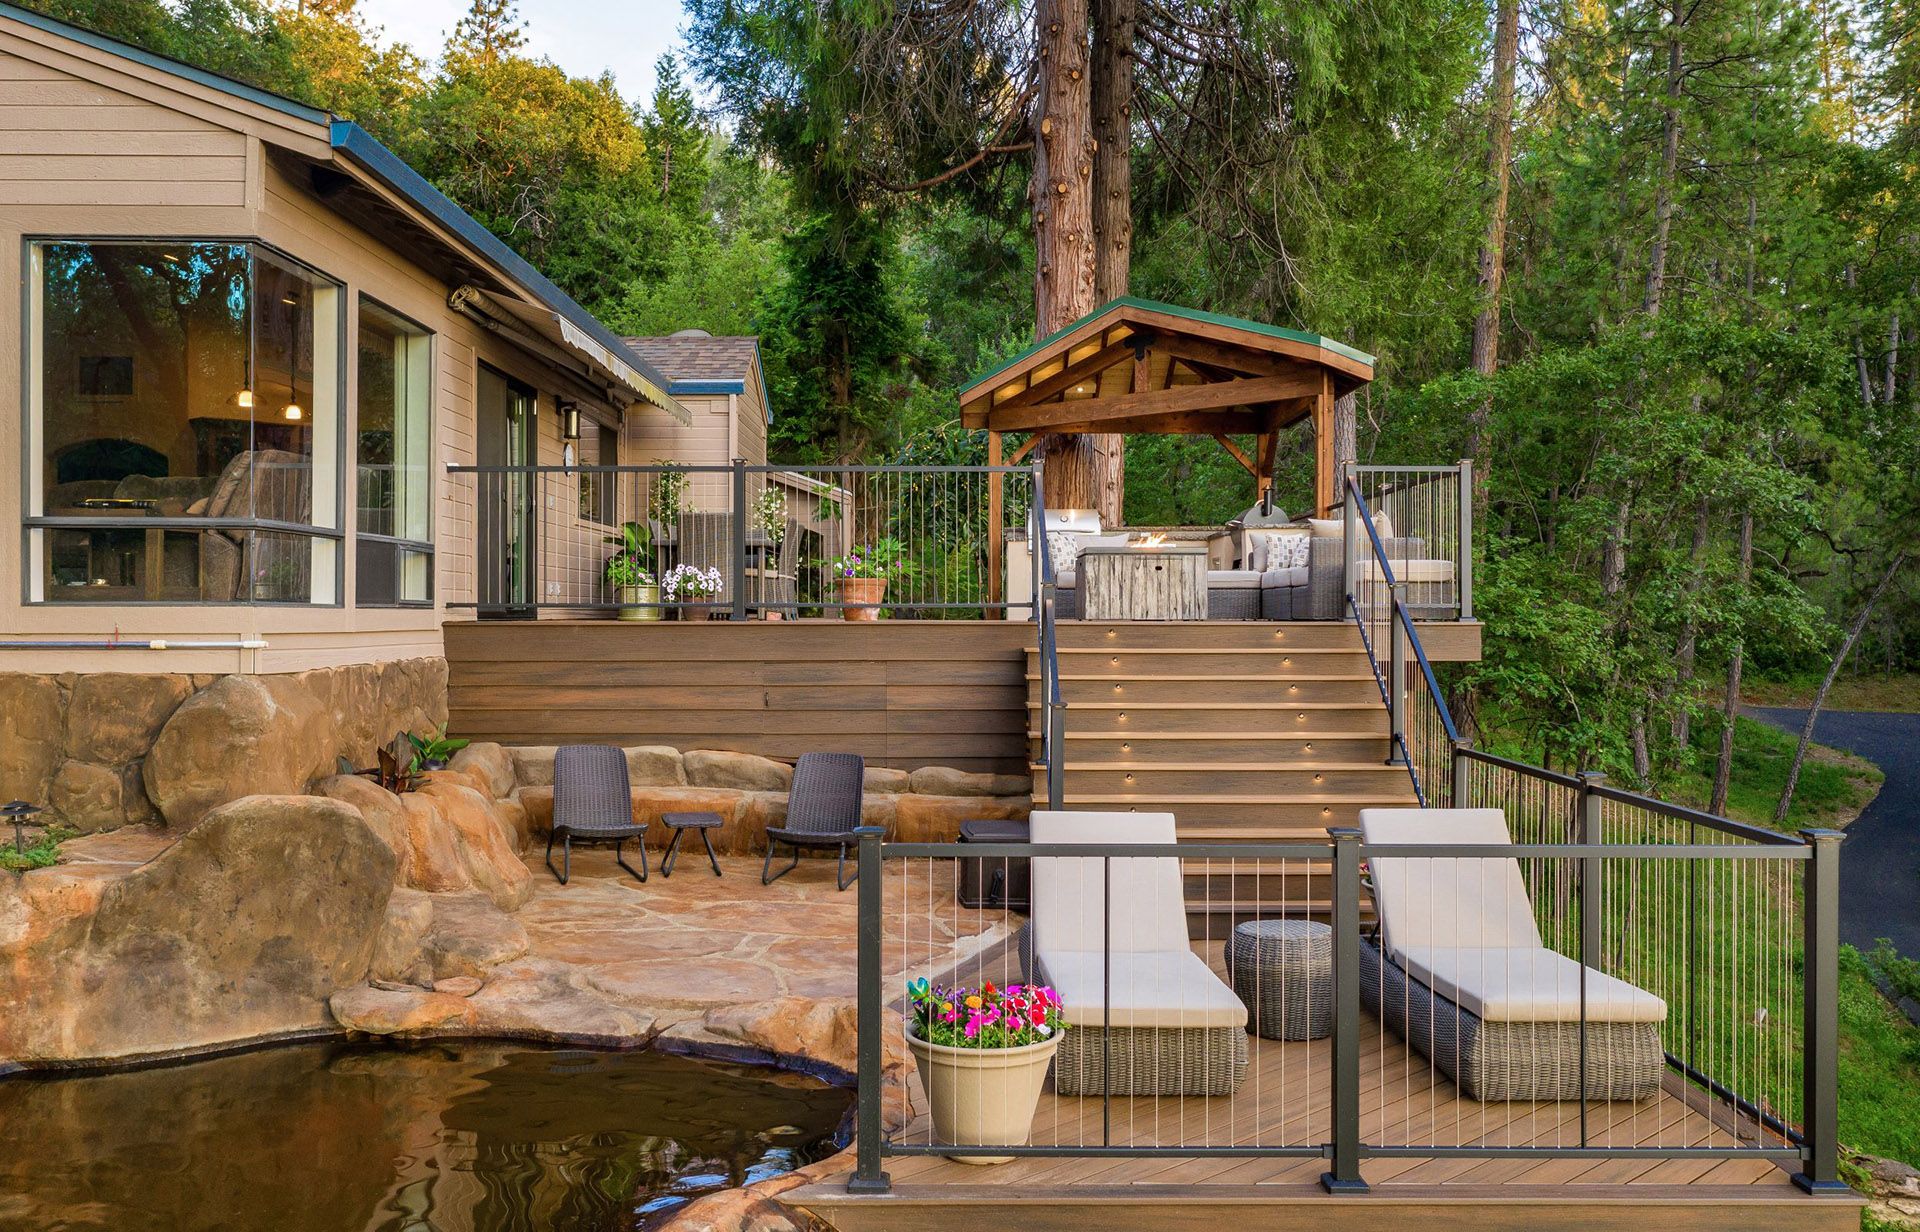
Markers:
1146,579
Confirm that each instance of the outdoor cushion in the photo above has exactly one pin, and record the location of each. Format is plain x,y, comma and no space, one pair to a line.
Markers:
1067,580
1528,985
1296,576
1233,579
1275,549
1167,989
1408,570
1446,902
1151,909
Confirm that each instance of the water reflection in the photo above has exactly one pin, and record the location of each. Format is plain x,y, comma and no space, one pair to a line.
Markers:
361,1138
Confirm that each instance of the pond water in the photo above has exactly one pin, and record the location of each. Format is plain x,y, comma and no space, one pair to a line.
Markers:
339,1137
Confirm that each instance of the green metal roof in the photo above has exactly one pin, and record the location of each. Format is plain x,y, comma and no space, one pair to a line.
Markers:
1174,310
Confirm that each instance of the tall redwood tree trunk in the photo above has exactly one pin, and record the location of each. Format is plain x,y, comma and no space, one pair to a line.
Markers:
1078,475
1493,243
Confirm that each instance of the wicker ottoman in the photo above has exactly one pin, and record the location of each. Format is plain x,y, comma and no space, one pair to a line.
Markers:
1283,970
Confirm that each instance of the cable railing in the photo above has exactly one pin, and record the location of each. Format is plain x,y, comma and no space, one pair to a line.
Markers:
741,542
1670,1011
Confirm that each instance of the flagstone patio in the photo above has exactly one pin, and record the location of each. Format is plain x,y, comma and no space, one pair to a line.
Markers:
681,946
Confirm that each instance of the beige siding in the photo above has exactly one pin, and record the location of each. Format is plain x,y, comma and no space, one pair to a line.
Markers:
752,427
651,434
73,142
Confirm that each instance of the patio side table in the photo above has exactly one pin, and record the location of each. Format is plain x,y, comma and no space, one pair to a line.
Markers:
1283,970
680,823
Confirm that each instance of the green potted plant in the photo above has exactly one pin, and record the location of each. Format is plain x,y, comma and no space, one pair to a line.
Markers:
862,575
431,752
634,587
983,1055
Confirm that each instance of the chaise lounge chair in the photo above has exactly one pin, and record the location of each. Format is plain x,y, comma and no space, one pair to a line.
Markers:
1176,1028
823,810
593,803
1462,975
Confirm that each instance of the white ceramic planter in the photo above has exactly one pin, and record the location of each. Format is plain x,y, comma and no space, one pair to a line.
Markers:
983,1096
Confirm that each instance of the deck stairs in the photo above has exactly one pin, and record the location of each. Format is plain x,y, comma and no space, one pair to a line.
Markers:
1245,732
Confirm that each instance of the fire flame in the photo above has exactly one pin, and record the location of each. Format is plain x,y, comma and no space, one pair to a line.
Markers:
1156,539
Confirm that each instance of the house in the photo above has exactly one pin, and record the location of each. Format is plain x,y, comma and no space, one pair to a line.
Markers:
721,383
252,340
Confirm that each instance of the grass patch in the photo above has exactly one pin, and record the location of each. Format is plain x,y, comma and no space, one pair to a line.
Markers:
1879,1067
1834,786
1873,692
42,852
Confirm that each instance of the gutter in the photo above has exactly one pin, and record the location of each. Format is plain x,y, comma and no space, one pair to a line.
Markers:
157,643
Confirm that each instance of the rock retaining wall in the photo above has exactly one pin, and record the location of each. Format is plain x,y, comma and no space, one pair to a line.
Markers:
111,749
750,793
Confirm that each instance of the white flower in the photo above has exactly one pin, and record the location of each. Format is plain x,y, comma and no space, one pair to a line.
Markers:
1044,1029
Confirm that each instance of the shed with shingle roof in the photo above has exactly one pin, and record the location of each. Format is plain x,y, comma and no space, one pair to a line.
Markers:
720,381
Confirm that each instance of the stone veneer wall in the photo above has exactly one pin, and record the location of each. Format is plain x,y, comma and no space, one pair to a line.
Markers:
110,749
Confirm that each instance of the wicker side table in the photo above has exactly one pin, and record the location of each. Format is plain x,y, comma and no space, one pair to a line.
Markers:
1283,970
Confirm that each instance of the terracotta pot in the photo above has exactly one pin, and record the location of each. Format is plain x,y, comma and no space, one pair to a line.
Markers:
638,602
983,1096
867,591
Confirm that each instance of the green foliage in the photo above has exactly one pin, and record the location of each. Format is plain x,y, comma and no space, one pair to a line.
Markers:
629,565
433,747
1879,1067
42,852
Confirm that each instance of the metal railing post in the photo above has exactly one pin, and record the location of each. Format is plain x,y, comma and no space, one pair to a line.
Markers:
1349,541
1462,784
1036,538
1056,752
1820,1113
1591,870
867,1175
1396,675
739,539
1466,538
1344,1175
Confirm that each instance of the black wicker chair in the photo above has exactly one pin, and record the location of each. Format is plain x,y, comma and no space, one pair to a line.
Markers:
823,810
593,803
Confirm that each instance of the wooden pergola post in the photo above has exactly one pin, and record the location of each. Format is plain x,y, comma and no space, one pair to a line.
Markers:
997,526
1325,481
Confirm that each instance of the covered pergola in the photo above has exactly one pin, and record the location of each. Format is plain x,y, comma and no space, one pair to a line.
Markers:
1133,366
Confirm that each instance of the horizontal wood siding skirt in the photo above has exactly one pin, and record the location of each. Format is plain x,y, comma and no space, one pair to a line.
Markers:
902,694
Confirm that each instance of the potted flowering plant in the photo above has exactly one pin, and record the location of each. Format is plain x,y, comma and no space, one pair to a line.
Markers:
983,1055
862,574
690,584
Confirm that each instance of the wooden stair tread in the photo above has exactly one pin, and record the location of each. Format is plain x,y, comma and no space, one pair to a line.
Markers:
1374,705
1172,798
1261,767
1209,677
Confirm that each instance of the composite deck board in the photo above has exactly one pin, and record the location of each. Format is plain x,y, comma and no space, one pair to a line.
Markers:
1285,1100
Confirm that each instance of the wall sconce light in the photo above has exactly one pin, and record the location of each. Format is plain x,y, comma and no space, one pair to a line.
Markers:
569,421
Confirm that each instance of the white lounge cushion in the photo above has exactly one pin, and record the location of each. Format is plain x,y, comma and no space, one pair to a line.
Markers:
1296,576
1442,903
1233,579
1528,985
1167,989
1407,570
1150,906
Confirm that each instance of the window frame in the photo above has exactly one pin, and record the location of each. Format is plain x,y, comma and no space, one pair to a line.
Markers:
35,526
401,545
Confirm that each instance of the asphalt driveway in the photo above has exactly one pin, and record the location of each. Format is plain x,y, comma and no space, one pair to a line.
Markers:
1880,861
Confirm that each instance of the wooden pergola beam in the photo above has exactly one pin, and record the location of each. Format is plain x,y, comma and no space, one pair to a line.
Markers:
1069,376
1179,423
1239,454
1231,358
1126,408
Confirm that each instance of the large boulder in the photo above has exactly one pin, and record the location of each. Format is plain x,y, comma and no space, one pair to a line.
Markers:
240,736
740,771
113,717
88,797
489,851
241,930
469,935
946,781
487,763
397,951
30,736
380,809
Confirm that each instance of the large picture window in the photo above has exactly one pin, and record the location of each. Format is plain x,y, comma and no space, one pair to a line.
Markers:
184,425
394,542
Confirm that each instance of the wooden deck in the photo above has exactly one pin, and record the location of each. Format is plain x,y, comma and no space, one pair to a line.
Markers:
1284,1102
